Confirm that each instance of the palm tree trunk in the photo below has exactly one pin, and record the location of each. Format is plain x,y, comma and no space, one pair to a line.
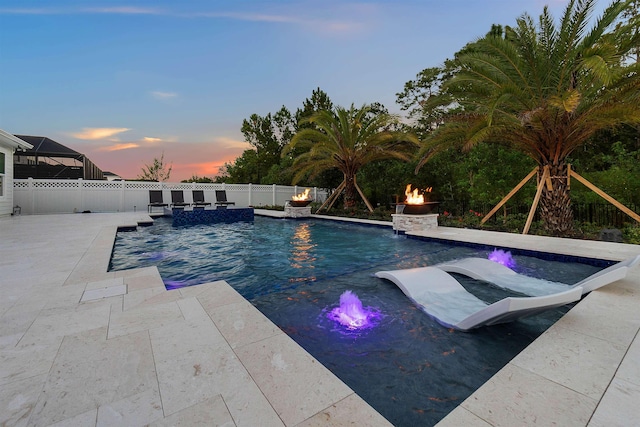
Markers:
555,203
350,192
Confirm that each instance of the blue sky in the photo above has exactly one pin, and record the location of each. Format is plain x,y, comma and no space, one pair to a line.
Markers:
125,81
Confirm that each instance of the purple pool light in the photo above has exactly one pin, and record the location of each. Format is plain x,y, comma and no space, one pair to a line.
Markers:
502,257
352,314
174,284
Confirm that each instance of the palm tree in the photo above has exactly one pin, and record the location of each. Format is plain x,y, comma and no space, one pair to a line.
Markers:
544,90
347,140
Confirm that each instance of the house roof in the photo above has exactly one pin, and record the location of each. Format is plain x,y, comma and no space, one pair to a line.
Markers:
46,146
14,142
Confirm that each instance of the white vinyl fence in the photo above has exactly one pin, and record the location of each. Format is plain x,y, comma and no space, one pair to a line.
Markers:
47,196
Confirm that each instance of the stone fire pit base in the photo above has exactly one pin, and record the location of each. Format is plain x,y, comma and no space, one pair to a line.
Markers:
402,222
294,212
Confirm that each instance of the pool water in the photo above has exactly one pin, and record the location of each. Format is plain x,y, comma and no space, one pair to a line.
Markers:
408,367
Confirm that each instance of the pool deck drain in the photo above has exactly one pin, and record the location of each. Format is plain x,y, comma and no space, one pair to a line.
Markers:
83,346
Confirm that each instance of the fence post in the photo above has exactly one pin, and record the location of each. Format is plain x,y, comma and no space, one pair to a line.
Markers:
32,196
273,195
250,197
80,195
122,208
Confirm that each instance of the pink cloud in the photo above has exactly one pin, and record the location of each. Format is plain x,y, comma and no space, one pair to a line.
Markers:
118,147
98,133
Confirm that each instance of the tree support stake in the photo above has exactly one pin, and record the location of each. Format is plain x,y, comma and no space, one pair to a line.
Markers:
605,196
543,181
508,196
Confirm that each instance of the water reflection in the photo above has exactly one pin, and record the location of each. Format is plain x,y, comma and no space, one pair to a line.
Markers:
302,248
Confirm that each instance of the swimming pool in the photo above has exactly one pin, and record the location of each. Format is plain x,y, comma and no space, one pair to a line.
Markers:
409,368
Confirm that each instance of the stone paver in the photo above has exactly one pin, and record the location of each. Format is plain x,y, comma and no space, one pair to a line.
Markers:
83,346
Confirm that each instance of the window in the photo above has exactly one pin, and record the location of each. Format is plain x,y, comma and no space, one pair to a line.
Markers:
2,169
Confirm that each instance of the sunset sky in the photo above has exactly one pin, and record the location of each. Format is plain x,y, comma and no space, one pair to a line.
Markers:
126,81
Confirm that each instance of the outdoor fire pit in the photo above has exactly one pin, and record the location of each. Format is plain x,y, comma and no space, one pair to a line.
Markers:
421,208
299,203
301,200
415,203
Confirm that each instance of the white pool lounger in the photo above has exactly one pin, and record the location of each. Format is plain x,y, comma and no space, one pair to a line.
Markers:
441,296
503,277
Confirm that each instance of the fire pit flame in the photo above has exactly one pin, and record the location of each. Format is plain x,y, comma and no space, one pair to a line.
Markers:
301,200
415,197
302,196
416,203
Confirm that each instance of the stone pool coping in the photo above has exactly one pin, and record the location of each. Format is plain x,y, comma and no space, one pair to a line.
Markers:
83,346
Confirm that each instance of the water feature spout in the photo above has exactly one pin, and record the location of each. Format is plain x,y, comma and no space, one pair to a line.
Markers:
352,314
502,257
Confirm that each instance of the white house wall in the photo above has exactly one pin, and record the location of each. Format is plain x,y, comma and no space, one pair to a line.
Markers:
6,200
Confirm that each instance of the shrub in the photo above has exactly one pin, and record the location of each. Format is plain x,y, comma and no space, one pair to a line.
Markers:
631,234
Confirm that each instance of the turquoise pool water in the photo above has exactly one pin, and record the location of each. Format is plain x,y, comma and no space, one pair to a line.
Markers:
409,368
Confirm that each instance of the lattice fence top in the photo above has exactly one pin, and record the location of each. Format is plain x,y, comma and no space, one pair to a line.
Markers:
103,185
262,188
234,187
142,185
178,186
62,183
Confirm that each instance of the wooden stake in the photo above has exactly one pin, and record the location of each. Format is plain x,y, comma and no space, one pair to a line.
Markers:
549,184
536,199
366,202
508,196
605,196
333,197
337,193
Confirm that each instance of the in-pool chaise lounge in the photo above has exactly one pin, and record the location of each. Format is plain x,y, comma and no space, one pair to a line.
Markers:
504,277
441,296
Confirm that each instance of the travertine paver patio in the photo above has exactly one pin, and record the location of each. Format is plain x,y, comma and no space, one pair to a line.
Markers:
83,346
80,346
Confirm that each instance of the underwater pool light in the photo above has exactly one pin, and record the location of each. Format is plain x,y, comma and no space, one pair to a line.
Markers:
502,257
352,314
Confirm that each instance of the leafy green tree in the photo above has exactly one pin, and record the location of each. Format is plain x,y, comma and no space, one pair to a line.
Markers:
415,95
268,135
612,162
319,101
347,140
244,169
156,171
384,182
543,90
